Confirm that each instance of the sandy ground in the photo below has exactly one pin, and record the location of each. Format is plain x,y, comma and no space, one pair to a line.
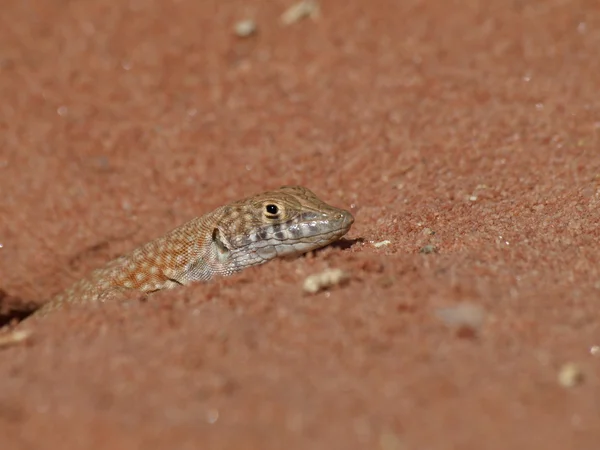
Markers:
469,129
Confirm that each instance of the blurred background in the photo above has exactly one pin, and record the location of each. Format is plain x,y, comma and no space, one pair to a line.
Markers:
463,136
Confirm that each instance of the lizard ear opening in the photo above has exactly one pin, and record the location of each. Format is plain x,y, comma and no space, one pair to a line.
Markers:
221,247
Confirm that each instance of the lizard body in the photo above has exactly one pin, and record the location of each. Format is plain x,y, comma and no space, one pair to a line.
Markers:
288,221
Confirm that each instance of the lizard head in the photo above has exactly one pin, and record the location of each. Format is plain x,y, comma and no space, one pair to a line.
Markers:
288,221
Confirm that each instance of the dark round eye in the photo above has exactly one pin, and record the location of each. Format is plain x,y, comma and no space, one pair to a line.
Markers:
272,209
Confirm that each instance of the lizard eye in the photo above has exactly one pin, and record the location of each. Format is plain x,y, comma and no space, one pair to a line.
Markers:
272,209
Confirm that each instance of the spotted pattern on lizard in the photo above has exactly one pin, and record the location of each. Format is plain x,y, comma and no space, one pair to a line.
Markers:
288,221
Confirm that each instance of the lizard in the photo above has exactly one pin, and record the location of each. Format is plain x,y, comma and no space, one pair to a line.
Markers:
288,221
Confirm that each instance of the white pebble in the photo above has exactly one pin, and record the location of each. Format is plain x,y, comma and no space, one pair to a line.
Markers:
382,243
245,28
570,375
327,278
302,9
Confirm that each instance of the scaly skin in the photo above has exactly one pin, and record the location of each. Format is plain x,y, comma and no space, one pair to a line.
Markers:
249,232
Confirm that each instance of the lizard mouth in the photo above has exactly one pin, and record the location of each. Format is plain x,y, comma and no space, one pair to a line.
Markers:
307,231
308,227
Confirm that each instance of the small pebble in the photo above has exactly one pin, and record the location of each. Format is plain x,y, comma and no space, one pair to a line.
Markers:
212,416
14,338
428,249
326,279
302,9
570,375
245,28
382,243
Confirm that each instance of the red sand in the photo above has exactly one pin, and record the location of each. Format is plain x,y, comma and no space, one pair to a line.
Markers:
478,121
